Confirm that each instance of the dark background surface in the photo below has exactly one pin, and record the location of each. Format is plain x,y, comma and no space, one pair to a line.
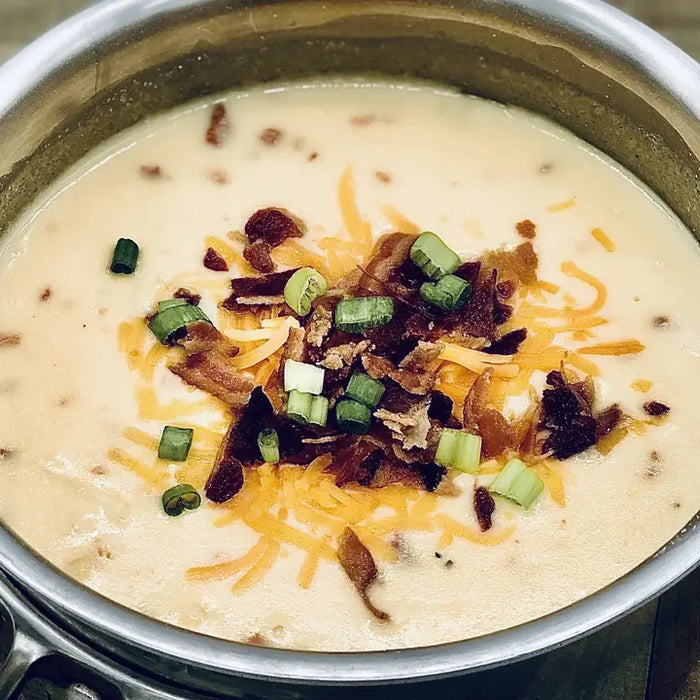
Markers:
653,653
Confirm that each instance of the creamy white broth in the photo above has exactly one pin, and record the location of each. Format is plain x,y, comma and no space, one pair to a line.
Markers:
463,167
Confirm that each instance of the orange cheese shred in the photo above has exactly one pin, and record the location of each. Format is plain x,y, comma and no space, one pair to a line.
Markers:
228,569
359,229
620,347
399,221
308,571
561,206
257,572
471,534
604,239
642,385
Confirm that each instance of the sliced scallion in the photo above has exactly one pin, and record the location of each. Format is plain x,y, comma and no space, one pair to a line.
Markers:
170,303
170,322
518,483
179,498
459,450
449,294
299,376
365,390
299,406
433,257
175,443
125,257
269,444
363,313
353,417
318,415
303,287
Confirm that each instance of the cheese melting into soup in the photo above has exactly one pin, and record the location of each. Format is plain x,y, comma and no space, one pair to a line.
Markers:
362,542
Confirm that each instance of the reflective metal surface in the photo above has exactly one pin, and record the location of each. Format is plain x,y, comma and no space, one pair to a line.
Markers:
603,75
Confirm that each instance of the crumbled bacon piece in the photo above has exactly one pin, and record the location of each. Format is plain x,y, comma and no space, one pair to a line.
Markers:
270,136
389,254
477,317
45,294
422,355
655,408
415,381
274,226
519,263
661,321
383,176
319,325
359,565
313,156
410,428
526,228
243,289
191,297
357,461
227,478
363,119
219,176
431,475
10,340
507,344
295,347
152,171
506,289
218,125
208,365
484,506
258,256
607,420
469,271
214,261
344,355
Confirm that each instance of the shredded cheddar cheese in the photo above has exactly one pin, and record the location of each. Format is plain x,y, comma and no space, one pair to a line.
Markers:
621,347
604,239
561,206
642,385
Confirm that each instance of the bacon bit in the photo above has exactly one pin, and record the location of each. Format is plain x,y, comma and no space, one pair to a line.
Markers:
218,125
561,206
388,256
422,355
440,407
410,428
274,226
191,297
265,286
344,355
642,385
484,506
356,461
520,263
99,470
45,295
313,156
415,381
319,325
295,347
383,176
607,420
10,340
270,136
208,366
5,452
477,317
151,171
526,229
507,344
219,177
258,640
364,119
227,479
604,239
654,467
359,565
214,261
506,289
655,408
661,321
621,347
257,255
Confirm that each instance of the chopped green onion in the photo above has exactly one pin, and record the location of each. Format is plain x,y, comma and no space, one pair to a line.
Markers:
125,257
319,411
269,444
353,417
170,303
179,498
459,450
433,257
175,443
449,294
307,408
299,406
362,313
518,483
365,390
299,376
303,287
170,322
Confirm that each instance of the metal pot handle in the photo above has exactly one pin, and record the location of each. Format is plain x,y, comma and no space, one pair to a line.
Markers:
24,652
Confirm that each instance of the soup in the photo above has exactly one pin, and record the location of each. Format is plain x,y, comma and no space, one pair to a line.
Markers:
502,426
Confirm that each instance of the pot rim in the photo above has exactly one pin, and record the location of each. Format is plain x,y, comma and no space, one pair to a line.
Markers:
678,76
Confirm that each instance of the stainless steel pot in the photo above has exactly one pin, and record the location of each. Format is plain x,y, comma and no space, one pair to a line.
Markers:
601,74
